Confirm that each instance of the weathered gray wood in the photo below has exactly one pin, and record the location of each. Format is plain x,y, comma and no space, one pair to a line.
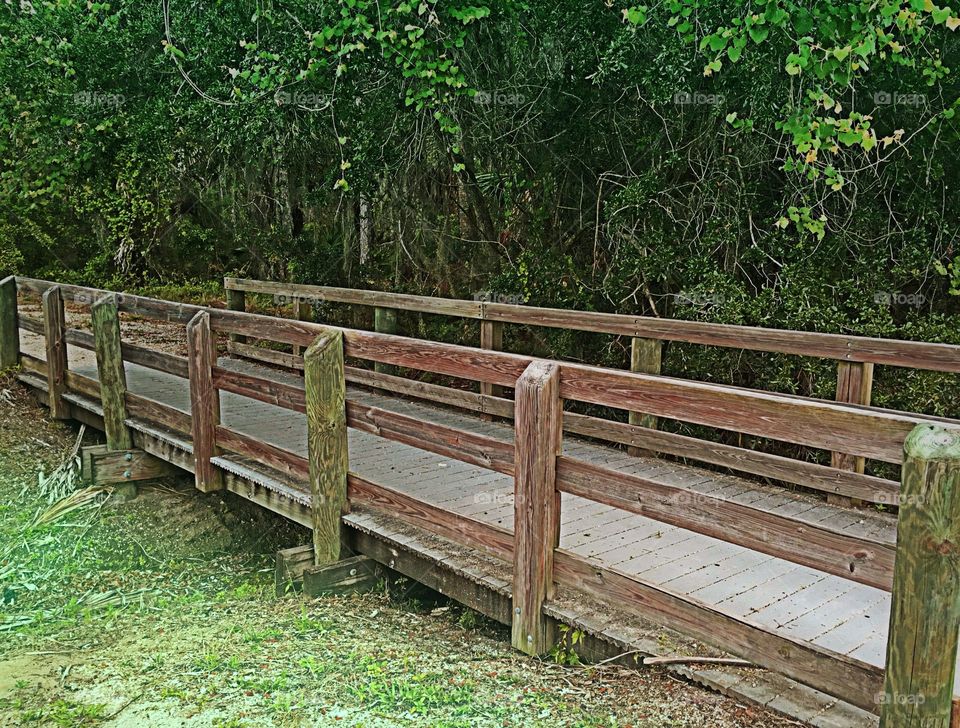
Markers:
645,358
326,442
536,503
291,563
9,335
491,338
110,371
54,331
237,301
302,311
102,466
925,610
384,322
204,402
854,386
347,576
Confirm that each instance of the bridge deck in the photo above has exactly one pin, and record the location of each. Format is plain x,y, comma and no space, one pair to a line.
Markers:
829,611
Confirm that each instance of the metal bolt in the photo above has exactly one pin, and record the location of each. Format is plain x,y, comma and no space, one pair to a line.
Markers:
127,474
529,638
128,457
517,610
353,572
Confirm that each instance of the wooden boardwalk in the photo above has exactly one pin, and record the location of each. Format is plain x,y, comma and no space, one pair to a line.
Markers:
831,612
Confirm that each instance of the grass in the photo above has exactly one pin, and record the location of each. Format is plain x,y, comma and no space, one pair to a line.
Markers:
162,612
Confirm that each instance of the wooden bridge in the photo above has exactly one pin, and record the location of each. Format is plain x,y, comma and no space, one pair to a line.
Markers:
539,508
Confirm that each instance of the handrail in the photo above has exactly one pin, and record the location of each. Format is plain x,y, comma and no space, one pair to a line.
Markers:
842,347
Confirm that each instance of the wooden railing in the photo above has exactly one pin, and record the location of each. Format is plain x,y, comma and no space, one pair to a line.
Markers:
925,557
844,479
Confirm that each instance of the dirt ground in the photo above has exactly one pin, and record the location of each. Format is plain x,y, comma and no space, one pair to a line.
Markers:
161,612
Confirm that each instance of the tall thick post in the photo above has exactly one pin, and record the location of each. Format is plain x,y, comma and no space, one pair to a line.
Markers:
538,417
645,358
204,402
326,442
113,378
854,386
55,338
9,331
384,321
237,301
925,608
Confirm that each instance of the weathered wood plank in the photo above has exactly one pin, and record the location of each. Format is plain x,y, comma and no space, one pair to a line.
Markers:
272,456
110,372
539,413
260,388
236,301
54,331
347,576
853,680
645,358
925,610
204,402
326,442
868,561
102,466
854,386
491,338
9,328
923,355
384,322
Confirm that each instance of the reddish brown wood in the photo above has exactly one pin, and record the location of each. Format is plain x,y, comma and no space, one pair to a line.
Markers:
539,414
867,561
275,457
158,413
54,331
461,529
852,680
261,389
204,402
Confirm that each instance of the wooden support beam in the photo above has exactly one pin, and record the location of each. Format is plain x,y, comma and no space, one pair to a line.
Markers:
291,563
491,337
348,576
326,442
302,311
384,322
113,381
539,413
54,333
99,465
925,608
237,301
204,402
9,331
645,358
854,386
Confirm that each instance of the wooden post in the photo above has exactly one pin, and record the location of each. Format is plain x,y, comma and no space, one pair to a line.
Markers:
326,442
113,382
491,337
9,330
645,358
536,503
302,311
204,402
854,386
55,338
237,301
925,604
384,321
